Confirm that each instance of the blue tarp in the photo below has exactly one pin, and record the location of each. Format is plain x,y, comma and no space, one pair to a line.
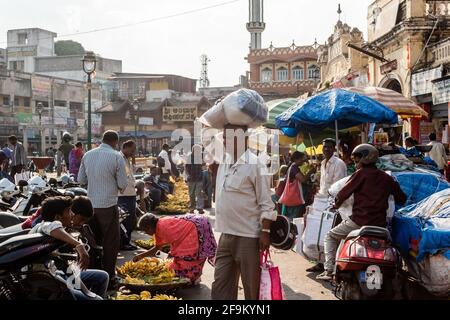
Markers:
418,186
320,112
424,228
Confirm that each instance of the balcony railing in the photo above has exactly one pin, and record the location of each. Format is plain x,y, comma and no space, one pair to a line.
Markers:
438,8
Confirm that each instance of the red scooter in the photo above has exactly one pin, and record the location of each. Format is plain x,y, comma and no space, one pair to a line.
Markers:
367,266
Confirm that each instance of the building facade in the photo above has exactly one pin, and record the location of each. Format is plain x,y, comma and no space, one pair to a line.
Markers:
24,45
166,103
341,66
64,104
402,34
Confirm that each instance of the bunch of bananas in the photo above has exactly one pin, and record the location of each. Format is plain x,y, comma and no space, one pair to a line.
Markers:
177,203
145,295
146,244
147,271
164,297
143,268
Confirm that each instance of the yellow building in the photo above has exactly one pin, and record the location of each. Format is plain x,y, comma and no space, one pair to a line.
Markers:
340,65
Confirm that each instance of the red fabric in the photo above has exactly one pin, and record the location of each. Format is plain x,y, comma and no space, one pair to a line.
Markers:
78,153
183,239
29,222
180,234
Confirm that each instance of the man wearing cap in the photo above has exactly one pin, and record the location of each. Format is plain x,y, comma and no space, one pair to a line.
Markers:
332,170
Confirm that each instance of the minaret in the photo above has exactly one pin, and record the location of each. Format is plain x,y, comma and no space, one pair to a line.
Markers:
256,23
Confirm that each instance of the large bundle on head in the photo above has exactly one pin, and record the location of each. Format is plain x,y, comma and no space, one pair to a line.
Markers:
243,107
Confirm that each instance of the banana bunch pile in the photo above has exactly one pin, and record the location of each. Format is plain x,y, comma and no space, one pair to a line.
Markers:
144,295
177,203
147,271
146,244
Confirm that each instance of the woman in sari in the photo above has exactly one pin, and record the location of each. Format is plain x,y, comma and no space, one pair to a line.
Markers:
75,156
191,241
294,173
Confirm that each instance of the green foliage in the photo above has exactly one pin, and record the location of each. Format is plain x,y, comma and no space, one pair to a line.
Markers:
68,48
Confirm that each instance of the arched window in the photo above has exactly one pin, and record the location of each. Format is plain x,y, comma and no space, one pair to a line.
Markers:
266,75
313,72
282,74
298,73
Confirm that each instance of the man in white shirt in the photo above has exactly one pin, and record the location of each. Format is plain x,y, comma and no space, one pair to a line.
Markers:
164,154
127,199
332,170
244,213
438,153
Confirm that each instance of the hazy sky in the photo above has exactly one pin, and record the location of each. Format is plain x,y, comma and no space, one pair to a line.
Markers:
174,45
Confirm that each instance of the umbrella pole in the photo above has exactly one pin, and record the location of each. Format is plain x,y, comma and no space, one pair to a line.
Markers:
312,145
337,136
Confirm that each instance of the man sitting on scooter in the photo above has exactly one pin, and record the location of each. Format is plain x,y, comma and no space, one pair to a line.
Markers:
371,189
57,215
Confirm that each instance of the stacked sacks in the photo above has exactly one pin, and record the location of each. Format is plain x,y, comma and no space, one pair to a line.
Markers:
422,232
243,107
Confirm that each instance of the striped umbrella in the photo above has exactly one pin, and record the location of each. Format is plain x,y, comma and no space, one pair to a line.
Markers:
403,106
277,107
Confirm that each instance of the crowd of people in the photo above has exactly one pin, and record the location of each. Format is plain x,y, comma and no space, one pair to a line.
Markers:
245,206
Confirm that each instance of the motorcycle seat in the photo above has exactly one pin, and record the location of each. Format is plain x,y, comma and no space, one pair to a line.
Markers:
6,236
21,241
370,231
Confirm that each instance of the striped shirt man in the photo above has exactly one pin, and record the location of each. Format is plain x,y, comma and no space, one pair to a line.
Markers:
103,169
19,156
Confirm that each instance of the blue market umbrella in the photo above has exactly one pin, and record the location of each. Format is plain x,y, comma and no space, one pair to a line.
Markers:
335,109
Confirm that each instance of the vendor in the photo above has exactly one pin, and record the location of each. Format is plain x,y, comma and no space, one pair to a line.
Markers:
191,241
410,150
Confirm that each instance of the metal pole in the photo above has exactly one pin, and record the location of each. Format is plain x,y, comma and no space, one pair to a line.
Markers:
89,113
337,137
135,131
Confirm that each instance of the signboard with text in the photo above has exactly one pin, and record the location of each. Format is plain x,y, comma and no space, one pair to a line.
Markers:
441,91
40,87
179,114
421,83
143,121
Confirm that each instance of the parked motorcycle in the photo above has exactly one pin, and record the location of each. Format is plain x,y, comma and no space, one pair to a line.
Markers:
367,266
27,270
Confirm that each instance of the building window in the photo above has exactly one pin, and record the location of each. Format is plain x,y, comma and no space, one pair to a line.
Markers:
16,101
6,101
266,75
282,74
16,65
401,15
313,72
22,39
298,73
26,102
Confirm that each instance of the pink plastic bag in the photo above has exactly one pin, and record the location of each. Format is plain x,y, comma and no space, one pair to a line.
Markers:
270,287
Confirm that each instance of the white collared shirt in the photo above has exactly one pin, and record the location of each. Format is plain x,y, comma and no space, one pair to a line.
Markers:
438,154
243,197
330,172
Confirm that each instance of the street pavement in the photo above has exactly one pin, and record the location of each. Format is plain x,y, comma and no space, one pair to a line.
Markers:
297,283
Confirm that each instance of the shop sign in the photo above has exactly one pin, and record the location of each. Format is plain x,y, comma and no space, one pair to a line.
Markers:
389,67
24,117
441,91
425,129
40,87
421,82
143,121
179,114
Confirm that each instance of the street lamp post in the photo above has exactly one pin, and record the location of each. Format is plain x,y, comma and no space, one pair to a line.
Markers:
136,106
40,109
89,65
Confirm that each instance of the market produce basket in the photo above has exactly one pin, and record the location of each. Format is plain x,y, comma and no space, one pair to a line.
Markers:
156,288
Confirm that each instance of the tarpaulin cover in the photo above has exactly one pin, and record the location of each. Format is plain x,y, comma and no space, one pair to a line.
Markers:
424,228
321,111
419,186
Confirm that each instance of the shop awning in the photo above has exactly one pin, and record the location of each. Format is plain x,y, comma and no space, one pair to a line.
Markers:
403,106
277,107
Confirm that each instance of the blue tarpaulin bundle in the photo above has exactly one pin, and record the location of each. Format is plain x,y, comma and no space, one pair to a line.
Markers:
424,228
417,186
321,111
